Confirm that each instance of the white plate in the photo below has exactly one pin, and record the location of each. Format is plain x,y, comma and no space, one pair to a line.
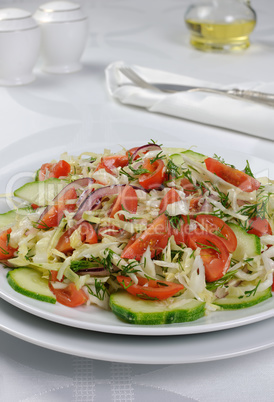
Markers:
27,157
134,349
93,318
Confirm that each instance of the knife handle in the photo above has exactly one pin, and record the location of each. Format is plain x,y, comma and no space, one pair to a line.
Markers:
253,95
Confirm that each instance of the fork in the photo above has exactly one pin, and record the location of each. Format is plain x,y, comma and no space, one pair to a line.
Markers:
254,96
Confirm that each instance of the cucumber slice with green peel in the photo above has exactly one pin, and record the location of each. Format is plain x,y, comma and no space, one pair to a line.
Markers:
36,177
29,282
248,245
178,158
7,219
234,303
40,192
198,157
147,312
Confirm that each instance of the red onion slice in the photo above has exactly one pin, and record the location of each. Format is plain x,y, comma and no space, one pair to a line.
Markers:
146,148
94,199
98,271
85,181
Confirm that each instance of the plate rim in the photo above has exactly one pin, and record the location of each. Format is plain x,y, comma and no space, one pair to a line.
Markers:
33,323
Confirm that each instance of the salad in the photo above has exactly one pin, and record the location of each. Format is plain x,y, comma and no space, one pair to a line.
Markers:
156,235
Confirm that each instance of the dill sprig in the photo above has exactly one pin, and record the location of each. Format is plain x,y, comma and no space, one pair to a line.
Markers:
160,155
210,246
173,170
175,221
258,209
129,268
100,290
212,286
220,159
248,170
251,292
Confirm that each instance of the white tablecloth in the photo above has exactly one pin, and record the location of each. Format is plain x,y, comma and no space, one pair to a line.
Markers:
77,106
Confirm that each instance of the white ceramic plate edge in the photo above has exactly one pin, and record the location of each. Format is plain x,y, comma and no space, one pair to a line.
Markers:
131,349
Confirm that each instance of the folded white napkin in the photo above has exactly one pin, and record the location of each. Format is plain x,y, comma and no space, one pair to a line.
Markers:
217,110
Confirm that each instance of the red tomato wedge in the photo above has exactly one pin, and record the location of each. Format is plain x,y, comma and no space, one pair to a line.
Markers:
6,251
217,226
88,235
170,197
232,175
109,163
214,253
127,200
156,177
53,216
149,289
259,227
155,236
69,296
59,169
53,276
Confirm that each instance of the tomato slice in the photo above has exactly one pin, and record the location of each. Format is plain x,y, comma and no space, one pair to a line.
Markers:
127,200
170,197
149,289
217,226
109,163
69,296
88,235
214,253
53,276
53,216
155,236
259,226
59,169
232,175
6,251
63,244
156,177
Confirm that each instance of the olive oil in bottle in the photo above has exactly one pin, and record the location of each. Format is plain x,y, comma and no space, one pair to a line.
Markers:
206,35
221,25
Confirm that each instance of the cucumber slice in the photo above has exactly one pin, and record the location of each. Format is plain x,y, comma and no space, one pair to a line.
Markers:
146,312
7,219
29,282
195,155
40,192
178,158
248,245
36,177
233,303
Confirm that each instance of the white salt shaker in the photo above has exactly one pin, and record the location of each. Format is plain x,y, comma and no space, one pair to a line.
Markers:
64,29
19,46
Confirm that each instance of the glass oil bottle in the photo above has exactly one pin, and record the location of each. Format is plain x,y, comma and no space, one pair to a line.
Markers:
220,25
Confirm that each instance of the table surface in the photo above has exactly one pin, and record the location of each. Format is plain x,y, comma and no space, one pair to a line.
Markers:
151,34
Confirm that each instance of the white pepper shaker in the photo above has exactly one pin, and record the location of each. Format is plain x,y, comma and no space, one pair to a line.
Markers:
64,29
19,46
